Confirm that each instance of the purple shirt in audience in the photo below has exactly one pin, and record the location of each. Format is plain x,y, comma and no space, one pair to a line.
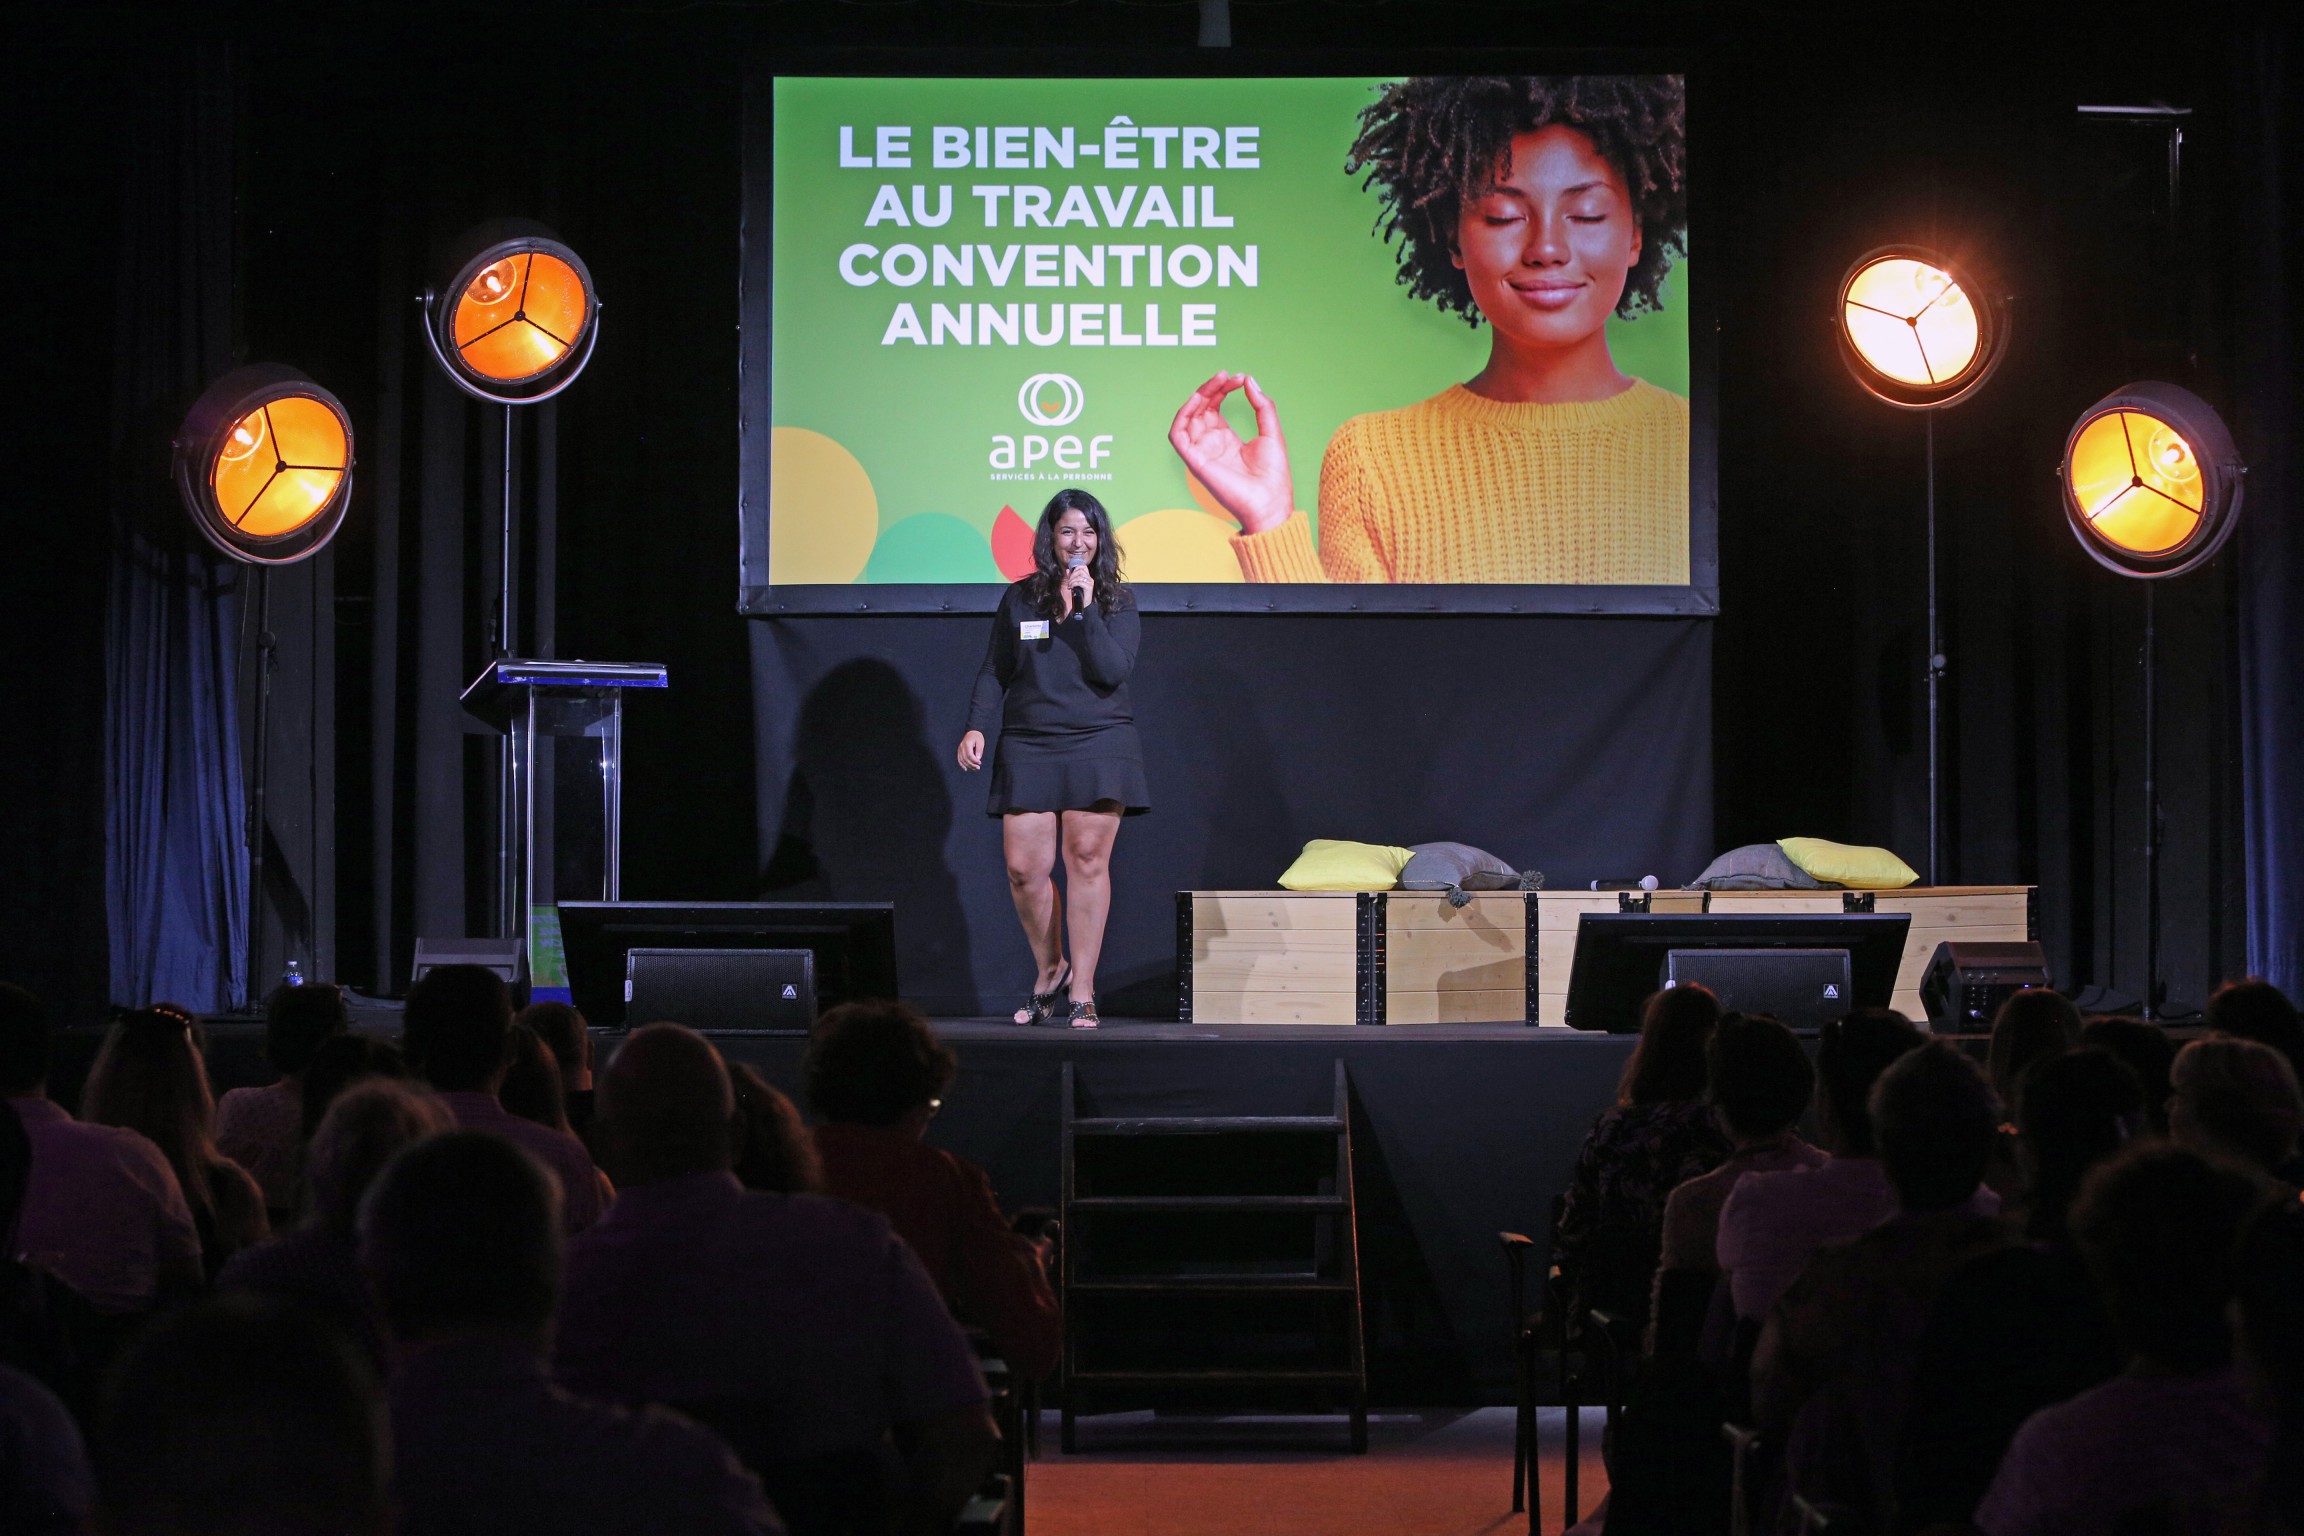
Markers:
580,1192
102,1210
1773,1223
316,1268
483,1442
2191,1445
695,1290
262,1129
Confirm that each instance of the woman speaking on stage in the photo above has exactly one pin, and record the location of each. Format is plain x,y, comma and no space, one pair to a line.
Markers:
1069,765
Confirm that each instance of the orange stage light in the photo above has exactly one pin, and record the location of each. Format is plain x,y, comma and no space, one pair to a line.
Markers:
264,464
517,318
1915,330
2151,480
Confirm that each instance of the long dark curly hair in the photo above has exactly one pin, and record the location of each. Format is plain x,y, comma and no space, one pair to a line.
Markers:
1429,143
1044,588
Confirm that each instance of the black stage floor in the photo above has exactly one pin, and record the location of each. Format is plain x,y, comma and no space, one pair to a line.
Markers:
1459,1131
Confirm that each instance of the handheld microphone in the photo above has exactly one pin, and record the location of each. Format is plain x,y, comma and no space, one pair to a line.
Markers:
1071,565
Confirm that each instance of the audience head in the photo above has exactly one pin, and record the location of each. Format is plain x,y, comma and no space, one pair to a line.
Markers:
1760,1080
665,1106
238,1416
774,1152
2238,1097
460,1234
149,1078
2078,1109
876,1063
567,1036
531,1088
2147,1050
2255,1009
457,1028
298,1019
2031,1024
1667,1066
1850,1057
1934,1119
364,1127
341,1061
25,1042
15,1172
2159,1228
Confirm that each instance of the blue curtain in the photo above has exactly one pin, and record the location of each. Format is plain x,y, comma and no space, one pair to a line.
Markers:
176,881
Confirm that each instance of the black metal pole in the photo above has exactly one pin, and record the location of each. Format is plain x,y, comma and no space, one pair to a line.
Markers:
259,773
1935,675
2151,813
507,851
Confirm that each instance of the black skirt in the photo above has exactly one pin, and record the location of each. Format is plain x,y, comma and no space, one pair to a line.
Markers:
1068,772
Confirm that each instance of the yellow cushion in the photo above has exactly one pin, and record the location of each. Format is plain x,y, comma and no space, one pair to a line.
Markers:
1847,864
1329,865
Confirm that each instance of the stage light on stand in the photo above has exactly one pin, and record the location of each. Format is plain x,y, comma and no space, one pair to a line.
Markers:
263,465
517,318
2152,489
2152,481
1922,333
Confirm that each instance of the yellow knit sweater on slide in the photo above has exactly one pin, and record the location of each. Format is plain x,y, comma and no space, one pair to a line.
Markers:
1462,489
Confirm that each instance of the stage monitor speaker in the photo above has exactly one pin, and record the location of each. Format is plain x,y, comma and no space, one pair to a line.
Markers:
1806,988
1967,980
499,955
722,991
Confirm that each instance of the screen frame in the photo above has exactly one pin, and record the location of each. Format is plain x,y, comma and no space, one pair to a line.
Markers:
759,598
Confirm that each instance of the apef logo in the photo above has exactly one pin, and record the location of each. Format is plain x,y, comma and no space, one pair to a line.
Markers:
1032,399
1050,400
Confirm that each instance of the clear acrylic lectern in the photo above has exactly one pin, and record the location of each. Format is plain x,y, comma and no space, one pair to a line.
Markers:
560,787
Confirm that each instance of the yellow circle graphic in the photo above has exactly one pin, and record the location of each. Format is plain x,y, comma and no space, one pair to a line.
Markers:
823,517
1179,544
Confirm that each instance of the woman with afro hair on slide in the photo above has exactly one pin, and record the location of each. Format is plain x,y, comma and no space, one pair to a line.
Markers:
1540,206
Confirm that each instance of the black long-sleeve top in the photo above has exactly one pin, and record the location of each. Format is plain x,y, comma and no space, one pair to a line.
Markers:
1072,681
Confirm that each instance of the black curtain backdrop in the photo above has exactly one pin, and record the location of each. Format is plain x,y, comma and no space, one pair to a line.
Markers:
362,147
1580,747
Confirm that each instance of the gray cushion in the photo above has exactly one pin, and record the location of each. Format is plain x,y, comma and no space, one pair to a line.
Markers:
1756,867
1457,868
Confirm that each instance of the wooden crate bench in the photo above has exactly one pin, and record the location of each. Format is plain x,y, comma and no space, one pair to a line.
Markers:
1407,957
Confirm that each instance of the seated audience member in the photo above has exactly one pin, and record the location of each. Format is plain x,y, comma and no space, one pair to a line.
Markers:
1832,1372
316,1266
1772,1222
44,1484
2159,1228
2256,1010
341,1061
2018,1328
2147,1050
774,1152
457,1029
801,1327
2237,1098
102,1208
876,1076
569,1039
460,1239
1657,1135
47,1329
149,1078
1759,1086
2270,1343
2031,1026
235,1416
531,1087
262,1129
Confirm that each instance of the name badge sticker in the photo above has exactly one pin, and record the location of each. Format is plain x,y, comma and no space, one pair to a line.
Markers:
1032,629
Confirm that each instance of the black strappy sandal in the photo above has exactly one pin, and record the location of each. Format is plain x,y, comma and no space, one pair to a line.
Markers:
1042,1008
1083,1015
